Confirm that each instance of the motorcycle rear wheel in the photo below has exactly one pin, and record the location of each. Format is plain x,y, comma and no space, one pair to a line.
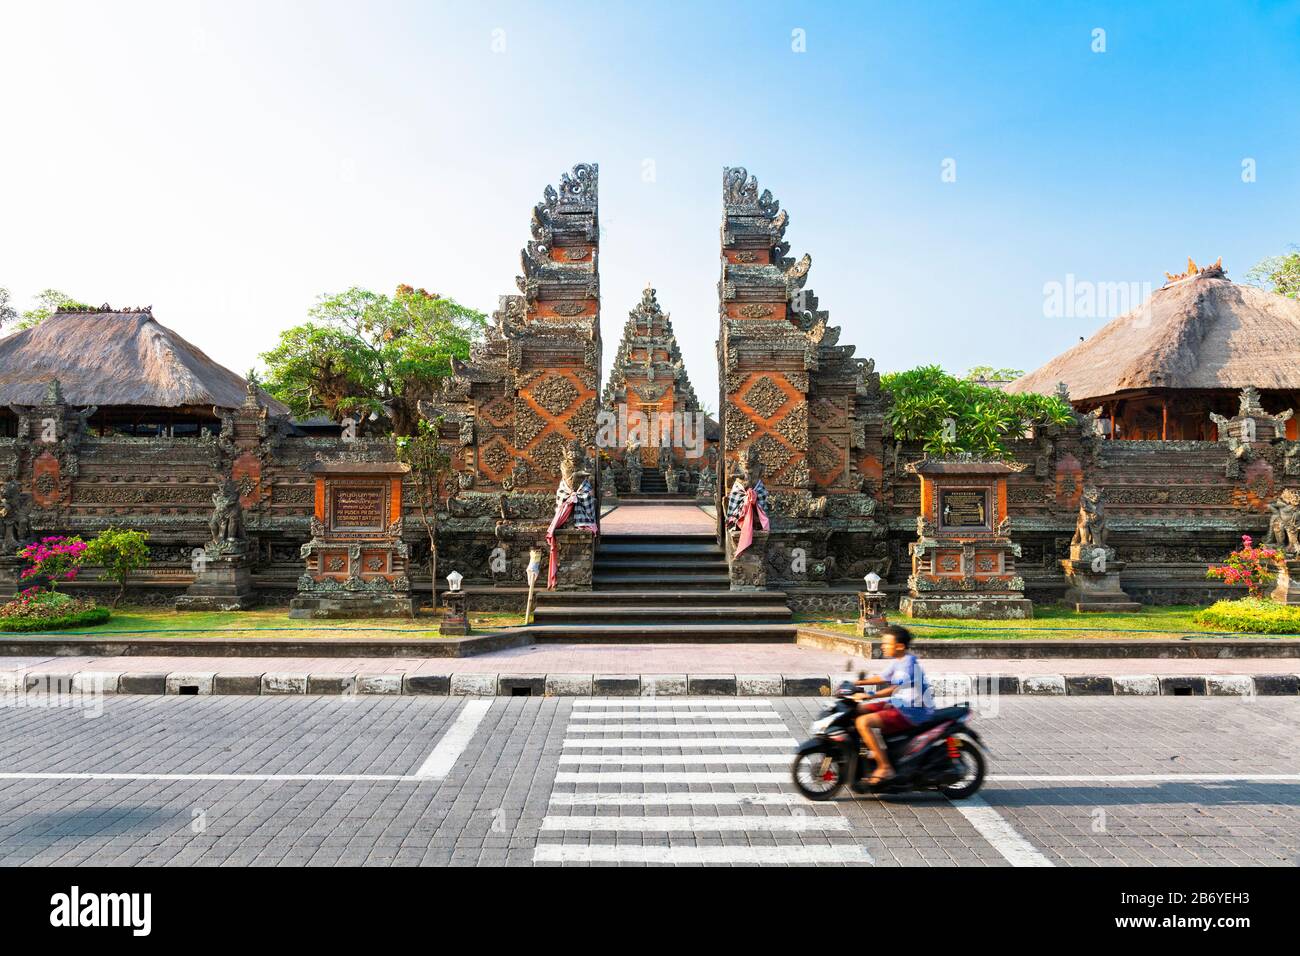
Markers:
971,764
818,774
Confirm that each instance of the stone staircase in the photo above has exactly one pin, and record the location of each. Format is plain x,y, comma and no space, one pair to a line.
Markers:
662,588
654,487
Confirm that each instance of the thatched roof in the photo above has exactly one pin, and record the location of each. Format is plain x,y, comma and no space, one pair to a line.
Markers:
1198,332
115,358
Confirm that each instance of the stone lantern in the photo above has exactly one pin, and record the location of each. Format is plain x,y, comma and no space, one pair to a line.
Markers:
871,606
455,621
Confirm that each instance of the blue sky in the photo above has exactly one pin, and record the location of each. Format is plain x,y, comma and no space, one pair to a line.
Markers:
227,162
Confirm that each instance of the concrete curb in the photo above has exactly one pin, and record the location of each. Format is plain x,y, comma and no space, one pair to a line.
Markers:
948,686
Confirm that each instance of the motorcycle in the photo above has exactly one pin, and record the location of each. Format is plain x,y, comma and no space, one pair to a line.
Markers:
943,754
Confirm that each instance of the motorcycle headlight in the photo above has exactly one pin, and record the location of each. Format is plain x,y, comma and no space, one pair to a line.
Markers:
819,726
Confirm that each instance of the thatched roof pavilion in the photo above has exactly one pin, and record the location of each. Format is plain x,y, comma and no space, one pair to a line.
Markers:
141,375
1159,371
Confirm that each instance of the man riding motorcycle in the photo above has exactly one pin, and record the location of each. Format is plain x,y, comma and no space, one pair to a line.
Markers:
904,700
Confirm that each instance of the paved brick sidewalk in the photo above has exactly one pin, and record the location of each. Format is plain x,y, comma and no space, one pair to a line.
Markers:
641,659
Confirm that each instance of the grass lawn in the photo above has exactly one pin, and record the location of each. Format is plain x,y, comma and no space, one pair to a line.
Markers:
1052,622
275,622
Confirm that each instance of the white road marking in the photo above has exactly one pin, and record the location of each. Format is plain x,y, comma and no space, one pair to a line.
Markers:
615,742
654,776
622,853
453,743
587,799
729,824
1000,834
288,777
753,728
1148,778
594,760
660,702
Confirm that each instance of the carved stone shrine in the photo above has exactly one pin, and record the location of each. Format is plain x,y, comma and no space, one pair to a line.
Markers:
963,561
356,558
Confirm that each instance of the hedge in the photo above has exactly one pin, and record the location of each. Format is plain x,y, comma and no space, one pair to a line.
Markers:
1251,616
86,618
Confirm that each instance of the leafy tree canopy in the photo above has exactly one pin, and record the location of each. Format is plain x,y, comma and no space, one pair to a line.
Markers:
949,414
988,373
363,353
45,305
1281,274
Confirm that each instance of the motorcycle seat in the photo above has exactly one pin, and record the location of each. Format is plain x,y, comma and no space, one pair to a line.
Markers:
943,714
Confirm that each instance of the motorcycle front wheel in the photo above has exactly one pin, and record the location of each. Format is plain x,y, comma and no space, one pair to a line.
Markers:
971,767
818,775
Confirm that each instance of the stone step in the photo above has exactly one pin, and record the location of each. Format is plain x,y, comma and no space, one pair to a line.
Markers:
615,613
651,549
699,562
644,598
662,634
662,582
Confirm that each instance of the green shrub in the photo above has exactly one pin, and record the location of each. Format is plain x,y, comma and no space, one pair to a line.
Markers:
37,610
1251,616
87,617
120,553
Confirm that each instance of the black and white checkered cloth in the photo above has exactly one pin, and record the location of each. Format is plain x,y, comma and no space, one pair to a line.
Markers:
736,500
584,509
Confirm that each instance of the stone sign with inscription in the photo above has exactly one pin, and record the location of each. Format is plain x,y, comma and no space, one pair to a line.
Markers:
356,559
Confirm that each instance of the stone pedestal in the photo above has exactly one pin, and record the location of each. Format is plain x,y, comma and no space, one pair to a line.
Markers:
871,613
356,558
11,567
577,549
1093,575
224,583
1287,588
455,620
748,572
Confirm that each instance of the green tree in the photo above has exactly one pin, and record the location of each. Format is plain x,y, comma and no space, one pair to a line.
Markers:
1281,274
950,414
120,553
48,302
7,312
363,353
990,374
430,464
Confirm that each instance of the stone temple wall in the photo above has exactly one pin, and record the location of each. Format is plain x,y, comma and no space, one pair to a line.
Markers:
792,399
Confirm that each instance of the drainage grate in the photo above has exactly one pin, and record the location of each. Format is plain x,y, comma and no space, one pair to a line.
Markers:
521,692
1182,692
188,689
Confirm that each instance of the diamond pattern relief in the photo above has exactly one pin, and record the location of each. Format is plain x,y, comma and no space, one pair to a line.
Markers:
546,456
497,457
765,397
825,457
771,453
738,425
497,411
528,424
794,426
555,394
828,412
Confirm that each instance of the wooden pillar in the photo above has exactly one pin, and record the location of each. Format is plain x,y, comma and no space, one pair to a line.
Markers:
1164,419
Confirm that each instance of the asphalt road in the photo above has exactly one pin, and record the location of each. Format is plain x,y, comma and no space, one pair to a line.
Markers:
416,780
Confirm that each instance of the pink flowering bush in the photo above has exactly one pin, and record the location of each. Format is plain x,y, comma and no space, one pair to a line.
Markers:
1248,565
56,558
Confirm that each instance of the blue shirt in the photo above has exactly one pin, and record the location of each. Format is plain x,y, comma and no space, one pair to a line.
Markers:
913,695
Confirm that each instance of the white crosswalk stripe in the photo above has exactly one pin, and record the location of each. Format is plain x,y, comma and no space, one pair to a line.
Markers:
742,749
